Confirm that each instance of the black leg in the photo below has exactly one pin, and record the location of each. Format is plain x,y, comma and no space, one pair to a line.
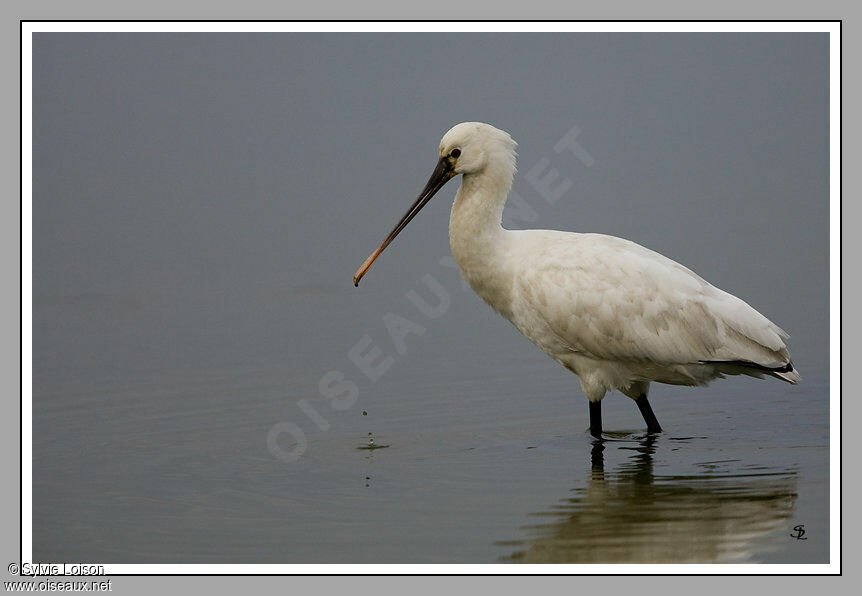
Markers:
596,419
597,457
646,411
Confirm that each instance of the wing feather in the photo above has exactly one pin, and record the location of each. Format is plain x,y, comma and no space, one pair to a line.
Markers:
612,299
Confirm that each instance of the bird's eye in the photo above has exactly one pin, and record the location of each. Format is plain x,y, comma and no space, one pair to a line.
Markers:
456,153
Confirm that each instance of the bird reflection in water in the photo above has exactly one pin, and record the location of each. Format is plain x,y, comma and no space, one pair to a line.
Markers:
722,512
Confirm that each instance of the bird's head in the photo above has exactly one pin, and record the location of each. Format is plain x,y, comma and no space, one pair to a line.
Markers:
468,148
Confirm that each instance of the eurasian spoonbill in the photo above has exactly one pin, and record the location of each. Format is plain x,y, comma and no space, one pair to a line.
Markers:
616,314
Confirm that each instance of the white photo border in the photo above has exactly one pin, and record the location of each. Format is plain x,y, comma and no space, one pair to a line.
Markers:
832,27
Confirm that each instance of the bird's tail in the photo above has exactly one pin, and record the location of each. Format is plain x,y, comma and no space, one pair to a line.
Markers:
792,376
785,372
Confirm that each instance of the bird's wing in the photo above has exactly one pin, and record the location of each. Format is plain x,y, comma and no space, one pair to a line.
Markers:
609,298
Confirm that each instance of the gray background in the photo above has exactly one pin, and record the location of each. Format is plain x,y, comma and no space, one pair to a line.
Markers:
201,202
203,180
383,10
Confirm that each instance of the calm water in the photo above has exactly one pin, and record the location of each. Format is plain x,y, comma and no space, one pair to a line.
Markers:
200,203
152,426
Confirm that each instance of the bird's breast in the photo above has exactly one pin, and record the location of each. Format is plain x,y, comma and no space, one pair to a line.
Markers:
484,266
488,277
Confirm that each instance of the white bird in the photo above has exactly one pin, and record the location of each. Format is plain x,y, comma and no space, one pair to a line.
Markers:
616,314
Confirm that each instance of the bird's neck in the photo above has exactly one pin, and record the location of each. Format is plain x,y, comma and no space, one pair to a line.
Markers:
476,234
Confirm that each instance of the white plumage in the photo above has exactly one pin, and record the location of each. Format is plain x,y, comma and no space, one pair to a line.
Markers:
616,314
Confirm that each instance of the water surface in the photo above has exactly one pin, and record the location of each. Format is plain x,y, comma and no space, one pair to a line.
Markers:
488,459
200,203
